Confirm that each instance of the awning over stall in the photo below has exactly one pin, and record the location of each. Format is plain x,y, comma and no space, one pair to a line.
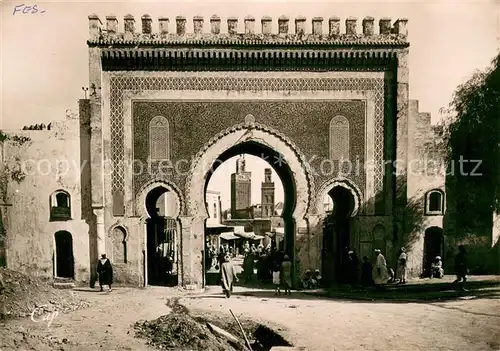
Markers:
229,236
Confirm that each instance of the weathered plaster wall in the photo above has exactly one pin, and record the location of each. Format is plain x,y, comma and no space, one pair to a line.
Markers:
50,162
213,207
130,272
425,171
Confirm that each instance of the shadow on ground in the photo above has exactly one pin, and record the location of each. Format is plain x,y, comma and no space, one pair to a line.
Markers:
415,293
418,292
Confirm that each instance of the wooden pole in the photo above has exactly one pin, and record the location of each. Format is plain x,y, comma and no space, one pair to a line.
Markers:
243,331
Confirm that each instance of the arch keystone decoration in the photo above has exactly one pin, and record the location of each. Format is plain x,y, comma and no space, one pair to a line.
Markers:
237,134
249,119
140,205
344,183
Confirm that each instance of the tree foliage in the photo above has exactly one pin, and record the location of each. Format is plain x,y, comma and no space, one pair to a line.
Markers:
471,131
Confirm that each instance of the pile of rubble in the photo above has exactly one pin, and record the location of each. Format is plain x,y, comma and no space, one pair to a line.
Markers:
16,337
23,295
205,331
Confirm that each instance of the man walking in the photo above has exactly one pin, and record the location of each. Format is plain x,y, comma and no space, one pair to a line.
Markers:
461,268
227,276
380,273
3,314
105,272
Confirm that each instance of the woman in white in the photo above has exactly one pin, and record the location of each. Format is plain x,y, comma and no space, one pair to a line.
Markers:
380,273
402,267
437,270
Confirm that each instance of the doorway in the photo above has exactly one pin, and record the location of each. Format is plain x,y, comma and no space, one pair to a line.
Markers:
65,263
336,236
161,239
433,246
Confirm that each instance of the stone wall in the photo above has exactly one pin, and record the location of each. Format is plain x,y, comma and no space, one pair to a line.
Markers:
44,161
425,172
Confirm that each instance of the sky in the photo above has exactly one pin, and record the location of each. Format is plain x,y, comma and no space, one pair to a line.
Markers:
221,180
44,56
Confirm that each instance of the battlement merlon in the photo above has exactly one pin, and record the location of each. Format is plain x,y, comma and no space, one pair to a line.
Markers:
388,37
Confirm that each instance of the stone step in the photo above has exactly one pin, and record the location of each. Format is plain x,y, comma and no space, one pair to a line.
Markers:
63,280
65,285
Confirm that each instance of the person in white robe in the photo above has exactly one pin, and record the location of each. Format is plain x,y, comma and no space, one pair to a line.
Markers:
380,273
437,270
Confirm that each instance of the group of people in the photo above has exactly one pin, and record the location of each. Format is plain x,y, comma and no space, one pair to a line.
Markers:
380,273
376,274
164,263
312,281
214,257
281,274
265,259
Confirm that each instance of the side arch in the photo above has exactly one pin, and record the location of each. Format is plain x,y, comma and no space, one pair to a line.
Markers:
344,183
140,203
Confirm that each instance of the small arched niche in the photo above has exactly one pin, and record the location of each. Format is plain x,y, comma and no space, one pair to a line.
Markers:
119,240
60,206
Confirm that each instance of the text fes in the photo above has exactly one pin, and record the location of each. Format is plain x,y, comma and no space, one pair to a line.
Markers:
27,9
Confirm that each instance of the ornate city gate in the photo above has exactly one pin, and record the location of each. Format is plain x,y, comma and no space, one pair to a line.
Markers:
166,107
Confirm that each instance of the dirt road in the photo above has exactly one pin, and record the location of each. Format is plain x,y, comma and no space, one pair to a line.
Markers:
318,324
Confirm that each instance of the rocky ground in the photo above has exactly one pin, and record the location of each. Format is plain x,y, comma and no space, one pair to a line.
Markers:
132,319
24,295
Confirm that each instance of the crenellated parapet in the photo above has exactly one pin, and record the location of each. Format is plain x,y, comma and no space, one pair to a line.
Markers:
283,31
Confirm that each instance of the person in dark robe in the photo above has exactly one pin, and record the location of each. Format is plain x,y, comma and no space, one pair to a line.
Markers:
248,266
366,272
220,257
353,268
208,256
169,264
345,266
461,268
227,276
318,278
105,272
3,313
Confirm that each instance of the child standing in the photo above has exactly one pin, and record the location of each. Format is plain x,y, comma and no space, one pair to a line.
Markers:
276,280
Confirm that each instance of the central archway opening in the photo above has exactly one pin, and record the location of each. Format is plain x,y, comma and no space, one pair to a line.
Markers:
254,224
161,241
339,206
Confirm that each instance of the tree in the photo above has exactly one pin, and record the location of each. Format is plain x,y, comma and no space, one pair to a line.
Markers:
471,133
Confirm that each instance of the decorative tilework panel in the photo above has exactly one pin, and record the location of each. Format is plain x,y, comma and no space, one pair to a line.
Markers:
159,139
339,138
138,84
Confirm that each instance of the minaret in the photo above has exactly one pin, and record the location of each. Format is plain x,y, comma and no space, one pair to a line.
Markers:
267,193
241,188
